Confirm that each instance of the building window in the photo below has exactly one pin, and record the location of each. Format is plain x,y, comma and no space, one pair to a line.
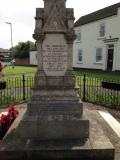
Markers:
78,36
80,55
102,30
99,55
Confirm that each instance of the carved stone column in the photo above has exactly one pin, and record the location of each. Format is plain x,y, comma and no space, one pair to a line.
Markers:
55,110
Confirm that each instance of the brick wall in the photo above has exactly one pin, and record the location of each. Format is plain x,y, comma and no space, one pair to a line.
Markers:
22,62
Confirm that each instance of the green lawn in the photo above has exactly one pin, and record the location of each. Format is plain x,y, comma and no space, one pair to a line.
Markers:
18,70
79,72
98,74
14,77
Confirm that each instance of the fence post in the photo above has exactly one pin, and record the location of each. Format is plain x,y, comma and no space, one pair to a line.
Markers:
23,87
84,80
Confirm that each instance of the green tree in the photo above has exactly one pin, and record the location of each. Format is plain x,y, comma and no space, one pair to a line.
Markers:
22,49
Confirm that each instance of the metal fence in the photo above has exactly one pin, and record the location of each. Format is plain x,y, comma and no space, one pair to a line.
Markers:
17,88
99,90
91,89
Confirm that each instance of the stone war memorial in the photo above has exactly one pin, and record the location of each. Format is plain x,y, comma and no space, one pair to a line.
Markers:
54,125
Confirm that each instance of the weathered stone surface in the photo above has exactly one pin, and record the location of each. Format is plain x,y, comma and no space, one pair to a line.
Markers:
54,36
97,146
54,118
55,110
55,55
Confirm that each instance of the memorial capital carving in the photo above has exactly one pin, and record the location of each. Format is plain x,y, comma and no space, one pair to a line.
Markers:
38,35
70,36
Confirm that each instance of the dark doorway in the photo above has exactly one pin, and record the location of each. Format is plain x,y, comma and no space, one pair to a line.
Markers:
110,58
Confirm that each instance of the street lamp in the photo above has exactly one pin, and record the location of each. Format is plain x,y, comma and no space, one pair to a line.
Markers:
11,32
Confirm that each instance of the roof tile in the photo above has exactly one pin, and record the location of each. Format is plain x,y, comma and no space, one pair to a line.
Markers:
100,14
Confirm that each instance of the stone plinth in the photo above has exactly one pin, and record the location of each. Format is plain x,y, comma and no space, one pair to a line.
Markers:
54,118
97,146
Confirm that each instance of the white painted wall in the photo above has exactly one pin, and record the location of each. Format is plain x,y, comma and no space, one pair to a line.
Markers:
90,41
33,58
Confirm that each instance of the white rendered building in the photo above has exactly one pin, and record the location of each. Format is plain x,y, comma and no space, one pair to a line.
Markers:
97,45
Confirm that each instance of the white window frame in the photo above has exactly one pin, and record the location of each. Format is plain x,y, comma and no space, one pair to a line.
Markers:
80,55
98,54
78,34
102,30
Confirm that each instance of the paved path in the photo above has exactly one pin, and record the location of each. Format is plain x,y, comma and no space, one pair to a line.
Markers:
110,131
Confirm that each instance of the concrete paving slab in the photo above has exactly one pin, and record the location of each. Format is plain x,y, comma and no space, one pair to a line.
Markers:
114,124
106,128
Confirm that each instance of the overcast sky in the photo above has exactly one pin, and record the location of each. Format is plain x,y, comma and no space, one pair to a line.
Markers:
21,14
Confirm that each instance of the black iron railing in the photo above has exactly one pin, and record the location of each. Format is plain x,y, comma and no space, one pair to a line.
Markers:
91,89
17,88
99,90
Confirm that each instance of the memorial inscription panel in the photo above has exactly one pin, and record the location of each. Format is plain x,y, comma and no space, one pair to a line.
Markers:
55,56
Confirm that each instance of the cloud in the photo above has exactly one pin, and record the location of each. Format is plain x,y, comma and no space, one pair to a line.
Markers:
21,14
88,6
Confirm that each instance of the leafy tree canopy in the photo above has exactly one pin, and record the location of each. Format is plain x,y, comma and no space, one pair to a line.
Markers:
22,49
